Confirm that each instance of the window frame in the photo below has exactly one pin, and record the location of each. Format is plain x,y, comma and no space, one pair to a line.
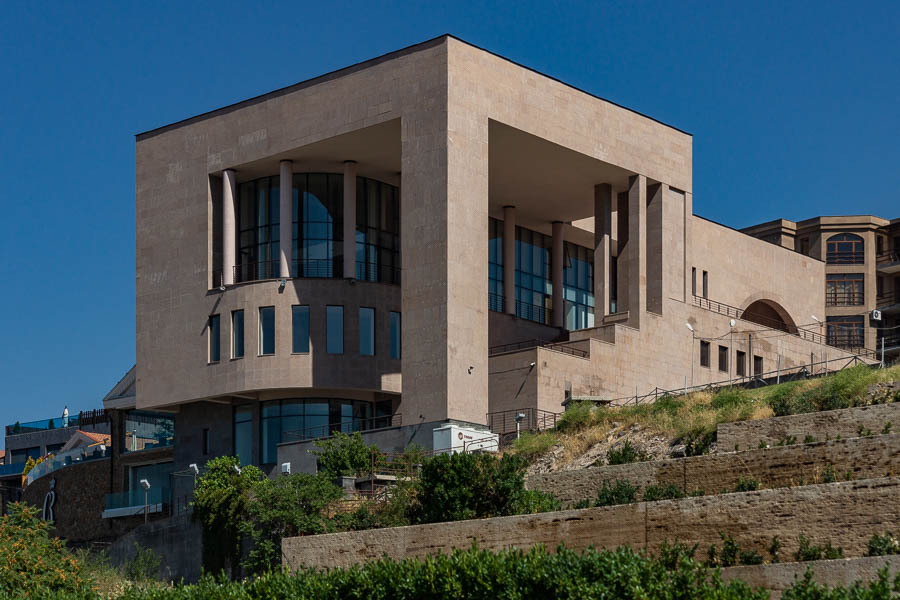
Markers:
294,311
262,338
704,354
234,336
214,330
837,254
723,364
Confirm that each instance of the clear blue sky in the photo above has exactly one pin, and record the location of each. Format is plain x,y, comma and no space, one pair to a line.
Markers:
793,108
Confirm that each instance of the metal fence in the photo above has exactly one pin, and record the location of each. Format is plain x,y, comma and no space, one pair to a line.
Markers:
349,426
564,347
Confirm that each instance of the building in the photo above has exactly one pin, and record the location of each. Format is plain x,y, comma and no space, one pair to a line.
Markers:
469,239
862,275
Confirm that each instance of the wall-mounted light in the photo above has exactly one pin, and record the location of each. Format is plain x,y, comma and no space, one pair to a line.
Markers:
221,288
471,368
281,285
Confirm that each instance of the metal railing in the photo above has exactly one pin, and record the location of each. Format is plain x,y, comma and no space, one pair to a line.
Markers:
323,431
317,268
64,459
891,342
886,298
256,271
533,419
563,347
855,257
376,272
83,419
496,303
532,312
889,256
839,298
135,498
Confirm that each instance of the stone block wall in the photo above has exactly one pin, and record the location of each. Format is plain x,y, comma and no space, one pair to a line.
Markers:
176,541
833,423
780,466
847,513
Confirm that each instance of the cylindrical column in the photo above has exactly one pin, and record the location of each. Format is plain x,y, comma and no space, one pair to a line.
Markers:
229,233
509,260
603,196
350,219
559,312
286,209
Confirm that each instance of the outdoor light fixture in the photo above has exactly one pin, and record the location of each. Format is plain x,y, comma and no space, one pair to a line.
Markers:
281,284
237,469
531,365
471,368
519,418
194,468
146,485
221,288
688,325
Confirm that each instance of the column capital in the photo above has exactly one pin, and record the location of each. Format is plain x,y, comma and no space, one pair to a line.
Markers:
349,162
286,160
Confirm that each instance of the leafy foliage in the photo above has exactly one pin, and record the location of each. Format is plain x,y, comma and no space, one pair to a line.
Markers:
882,545
746,484
531,445
880,589
344,454
620,492
625,455
808,551
669,491
143,566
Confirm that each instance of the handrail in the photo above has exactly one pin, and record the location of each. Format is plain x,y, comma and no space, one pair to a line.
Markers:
496,303
886,298
324,431
851,257
888,256
535,343
835,298
84,418
504,421
377,272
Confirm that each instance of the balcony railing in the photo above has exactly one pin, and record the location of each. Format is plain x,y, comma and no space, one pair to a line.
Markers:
890,342
352,426
496,303
376,272
533,343
58,461
532,419
317,268
135,498
889,256
532,312
838,298
144,431
83,419
856,257
886,298
849,340
255,271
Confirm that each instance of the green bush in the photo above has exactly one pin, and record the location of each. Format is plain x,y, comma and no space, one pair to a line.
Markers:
620,492
344,454
662,492
880,589
882,545
531,445
625,455
746,484
577,415
33,564
143,566
808,551
698,442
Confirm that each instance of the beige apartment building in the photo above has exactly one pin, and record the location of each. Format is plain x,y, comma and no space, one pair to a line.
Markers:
432,237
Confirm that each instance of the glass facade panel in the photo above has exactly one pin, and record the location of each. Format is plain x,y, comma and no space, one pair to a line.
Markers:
156,475
334,329
148,430
366,331
318,225
395,334
578,286
237,334
377,231
215,338
300,329
267,330
533,284
846,332
844,249
258,207
243,434
297,419
844,289
495,265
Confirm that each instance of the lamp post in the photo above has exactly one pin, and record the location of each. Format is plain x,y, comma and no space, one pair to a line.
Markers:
146,485
691,353
731,356
821,336
519,418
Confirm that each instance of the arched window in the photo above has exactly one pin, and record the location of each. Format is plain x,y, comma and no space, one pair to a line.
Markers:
845,249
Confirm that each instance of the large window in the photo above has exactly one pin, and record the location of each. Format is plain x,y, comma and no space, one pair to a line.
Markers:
395,334
300,419
495,265
704,354
377,231
237,334
845,249
578,287
258,234
300,329
159,477
846,332
334,329
146,430
723,359
844,289
215,339
318,225
366,331
533,291
243,434
266,330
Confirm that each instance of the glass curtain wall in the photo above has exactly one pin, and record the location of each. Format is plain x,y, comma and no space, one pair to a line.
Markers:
318,225
377,231
578,287
258,233
298,419
495,265
533,281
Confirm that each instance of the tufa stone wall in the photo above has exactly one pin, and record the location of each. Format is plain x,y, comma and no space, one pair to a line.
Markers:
176,541
844,422
780,466
847,513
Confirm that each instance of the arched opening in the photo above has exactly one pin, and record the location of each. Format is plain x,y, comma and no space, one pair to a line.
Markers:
769,314
845,249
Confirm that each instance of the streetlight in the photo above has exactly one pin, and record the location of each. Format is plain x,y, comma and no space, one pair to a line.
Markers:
146,485
731,355
692,352
821,336
519,418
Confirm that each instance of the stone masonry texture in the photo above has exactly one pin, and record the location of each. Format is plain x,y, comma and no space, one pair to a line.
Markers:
847,513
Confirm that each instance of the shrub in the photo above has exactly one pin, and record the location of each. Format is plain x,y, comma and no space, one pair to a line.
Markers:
531,445
880,589
662,492
882,545
829,475
774,549
577,415
585,503
620,492
143,566
624,455
887,428
787,441
344,454
32,563
730,398
809,439
535,501
807,551
698,442
746,484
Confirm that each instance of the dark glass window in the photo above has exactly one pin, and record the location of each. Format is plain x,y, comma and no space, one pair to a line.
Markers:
243,434
704,354
844,289
237,334
846,332
366,331
757,365
258,205
845,249
299,329
533,291
578,286
804,246
613,284
334,329
495,265
204,442
395,334
214,338
694,280
267,330
705,284
741,363
723,358
318,225
300,419
377,231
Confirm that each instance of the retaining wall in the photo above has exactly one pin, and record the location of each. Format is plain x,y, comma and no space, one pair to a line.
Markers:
847,513
176,541
844,422
780,466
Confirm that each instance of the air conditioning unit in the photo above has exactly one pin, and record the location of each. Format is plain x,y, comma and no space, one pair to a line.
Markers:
876,315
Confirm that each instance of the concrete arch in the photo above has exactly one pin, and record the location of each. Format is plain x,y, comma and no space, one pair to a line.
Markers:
769,313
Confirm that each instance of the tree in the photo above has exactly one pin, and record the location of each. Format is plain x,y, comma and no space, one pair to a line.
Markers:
344,454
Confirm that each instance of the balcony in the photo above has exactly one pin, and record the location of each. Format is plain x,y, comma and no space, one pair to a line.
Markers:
844,298
888,302
888,262
65,459
849,257
132,502
348,426
148,431
91,417
377,272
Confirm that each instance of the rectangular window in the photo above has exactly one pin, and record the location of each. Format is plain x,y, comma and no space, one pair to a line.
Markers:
237,334
846,332
704,354
395,334
613,285
741,363
204,442
723,359
694,281
757,365
495,265
214,338
844,289
243,434
705,284
300,329
804,246
266,330
334,329
366,331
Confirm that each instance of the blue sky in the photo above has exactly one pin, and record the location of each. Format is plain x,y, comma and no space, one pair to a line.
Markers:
793,108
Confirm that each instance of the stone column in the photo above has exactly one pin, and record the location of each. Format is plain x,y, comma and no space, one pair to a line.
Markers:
557,260
350,219
636,249
603,198
229,231
286,209
509,260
